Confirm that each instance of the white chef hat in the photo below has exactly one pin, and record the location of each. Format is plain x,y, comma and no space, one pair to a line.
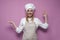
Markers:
29,5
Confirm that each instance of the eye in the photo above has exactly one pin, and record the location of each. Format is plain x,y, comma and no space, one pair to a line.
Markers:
27,10
31,10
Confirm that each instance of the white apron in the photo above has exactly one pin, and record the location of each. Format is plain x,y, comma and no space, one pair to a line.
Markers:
29,31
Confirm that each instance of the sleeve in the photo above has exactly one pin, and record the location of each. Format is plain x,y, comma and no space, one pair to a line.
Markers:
20,28
42,25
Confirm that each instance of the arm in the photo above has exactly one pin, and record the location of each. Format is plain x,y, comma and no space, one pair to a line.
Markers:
45,24
17,29
12,23
20,27
45,16
42,25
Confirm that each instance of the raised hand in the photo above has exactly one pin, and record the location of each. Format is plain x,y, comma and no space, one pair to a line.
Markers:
45,13
12,23
45,16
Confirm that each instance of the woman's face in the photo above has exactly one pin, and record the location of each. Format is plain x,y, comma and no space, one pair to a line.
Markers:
30,12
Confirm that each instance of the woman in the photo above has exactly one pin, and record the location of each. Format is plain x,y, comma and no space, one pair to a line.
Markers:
29,24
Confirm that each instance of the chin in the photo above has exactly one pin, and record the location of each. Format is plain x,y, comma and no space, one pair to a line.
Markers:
29,16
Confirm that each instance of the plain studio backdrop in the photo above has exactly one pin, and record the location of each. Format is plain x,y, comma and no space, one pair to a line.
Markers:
14,10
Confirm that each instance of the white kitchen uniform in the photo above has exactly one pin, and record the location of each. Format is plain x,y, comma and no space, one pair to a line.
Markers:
29,28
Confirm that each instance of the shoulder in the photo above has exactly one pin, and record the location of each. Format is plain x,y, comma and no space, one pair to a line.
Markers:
36,19
22,19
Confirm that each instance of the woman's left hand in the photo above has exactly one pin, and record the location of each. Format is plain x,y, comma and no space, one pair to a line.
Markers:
45,16
44,13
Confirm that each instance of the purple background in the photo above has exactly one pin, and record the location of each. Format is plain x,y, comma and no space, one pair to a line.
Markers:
14,10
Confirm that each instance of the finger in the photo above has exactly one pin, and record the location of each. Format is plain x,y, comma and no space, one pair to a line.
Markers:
8,21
